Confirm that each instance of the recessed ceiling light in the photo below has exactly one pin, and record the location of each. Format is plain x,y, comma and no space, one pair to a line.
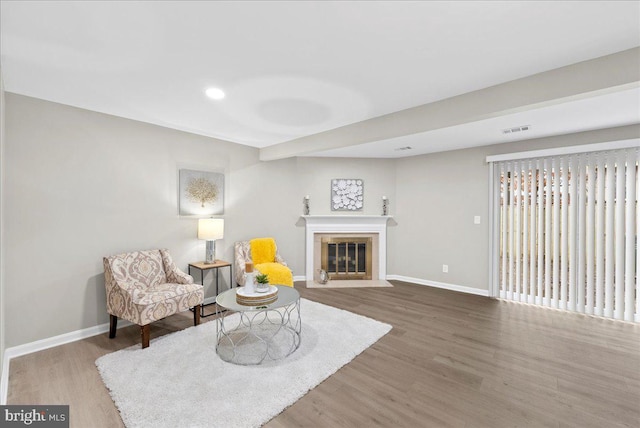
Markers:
215,93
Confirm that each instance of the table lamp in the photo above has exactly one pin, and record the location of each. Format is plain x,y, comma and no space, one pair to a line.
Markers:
210,229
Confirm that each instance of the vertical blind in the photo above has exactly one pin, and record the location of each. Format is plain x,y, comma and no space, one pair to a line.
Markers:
568,232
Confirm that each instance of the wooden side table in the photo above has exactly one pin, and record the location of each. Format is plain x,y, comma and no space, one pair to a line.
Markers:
203,267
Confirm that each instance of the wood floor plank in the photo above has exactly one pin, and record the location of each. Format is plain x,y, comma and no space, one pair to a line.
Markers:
451,360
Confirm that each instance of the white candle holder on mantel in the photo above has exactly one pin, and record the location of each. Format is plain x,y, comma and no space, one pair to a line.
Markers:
305,205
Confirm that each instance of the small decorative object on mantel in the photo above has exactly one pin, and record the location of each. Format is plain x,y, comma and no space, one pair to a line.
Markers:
262,283
305,205
347,194
385,206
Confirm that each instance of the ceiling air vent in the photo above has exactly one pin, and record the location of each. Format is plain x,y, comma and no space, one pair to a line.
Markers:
400,149
516,129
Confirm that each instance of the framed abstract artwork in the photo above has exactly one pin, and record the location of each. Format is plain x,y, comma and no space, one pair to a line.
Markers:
347,194
201,193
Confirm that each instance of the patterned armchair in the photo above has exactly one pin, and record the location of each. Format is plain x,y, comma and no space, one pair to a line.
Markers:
263,253
146,286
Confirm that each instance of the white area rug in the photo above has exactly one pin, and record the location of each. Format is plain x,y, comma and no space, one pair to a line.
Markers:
179,381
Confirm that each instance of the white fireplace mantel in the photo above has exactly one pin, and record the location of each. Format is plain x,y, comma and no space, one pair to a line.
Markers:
346,224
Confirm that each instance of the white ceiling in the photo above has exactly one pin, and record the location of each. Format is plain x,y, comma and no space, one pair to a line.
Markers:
295,69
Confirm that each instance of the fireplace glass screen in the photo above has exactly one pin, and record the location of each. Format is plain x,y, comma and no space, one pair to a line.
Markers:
347,258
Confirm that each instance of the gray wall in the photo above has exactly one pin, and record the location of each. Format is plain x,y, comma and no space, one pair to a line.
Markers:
315,174
2,299
439,194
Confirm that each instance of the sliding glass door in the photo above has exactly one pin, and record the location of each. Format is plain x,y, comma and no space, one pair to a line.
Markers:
565,232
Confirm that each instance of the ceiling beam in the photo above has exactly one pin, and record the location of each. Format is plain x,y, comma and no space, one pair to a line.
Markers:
615,72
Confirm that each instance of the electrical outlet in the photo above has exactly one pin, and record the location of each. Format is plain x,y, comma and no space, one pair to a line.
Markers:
445,268
476,219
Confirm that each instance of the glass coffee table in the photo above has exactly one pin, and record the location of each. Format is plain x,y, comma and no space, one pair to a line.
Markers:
256,334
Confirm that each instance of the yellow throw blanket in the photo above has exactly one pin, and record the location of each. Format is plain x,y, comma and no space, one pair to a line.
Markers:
263,254
263,250
278,274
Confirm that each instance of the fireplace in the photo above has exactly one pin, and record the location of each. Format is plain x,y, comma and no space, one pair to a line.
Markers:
347,257
348,233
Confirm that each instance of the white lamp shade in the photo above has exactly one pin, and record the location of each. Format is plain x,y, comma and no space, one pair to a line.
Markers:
210,229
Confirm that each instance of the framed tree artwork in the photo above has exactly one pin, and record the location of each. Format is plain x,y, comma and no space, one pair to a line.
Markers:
201,193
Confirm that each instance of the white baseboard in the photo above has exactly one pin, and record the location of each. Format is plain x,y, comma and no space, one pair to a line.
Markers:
40,345
453,287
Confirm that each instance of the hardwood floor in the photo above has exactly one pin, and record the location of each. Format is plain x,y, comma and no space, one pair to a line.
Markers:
451,360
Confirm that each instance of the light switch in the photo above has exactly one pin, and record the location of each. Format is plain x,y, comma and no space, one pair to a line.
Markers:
476,219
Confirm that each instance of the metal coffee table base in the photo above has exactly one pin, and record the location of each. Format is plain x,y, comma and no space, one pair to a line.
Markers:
259,335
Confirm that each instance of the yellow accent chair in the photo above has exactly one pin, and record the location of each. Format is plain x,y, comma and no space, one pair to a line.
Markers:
146,286
263,253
